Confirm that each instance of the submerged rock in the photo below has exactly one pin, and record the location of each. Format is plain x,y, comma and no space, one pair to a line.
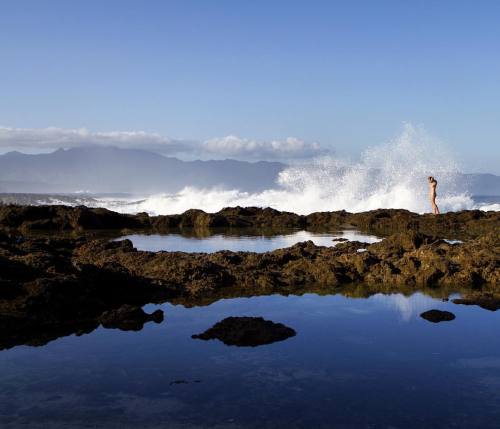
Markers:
247,332
436,316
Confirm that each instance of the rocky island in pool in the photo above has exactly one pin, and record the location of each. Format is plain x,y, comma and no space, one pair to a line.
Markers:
58,277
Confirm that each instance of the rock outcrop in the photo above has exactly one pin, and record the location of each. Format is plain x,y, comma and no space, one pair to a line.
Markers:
409,258
57,286
468,223
45,293
247,332
65,218
437,316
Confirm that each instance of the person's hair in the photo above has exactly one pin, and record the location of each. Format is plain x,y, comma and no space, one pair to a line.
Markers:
431,179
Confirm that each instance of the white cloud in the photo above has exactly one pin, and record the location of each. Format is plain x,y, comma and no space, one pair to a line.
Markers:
236,147
44,139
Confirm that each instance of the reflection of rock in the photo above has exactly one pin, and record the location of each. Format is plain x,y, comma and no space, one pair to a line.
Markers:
247,332
129,318
436,316
488,301
58,286
22,329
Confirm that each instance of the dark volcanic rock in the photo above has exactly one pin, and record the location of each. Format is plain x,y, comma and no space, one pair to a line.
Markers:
45,293
49,218
469,223
247,332
408,258
129,318
436,316
58,286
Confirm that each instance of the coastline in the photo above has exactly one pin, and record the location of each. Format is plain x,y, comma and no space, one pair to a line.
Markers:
54,286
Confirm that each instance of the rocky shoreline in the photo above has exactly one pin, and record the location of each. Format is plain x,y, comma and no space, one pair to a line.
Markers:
52,286
29,219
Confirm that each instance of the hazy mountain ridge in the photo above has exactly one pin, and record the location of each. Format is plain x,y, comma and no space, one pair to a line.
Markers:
109,169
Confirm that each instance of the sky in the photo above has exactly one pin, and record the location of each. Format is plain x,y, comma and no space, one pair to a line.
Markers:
261,79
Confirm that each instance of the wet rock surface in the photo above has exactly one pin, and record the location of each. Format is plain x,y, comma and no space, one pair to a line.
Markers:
58,286
436,316
247,332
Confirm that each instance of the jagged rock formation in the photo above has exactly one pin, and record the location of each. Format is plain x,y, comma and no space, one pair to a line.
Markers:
402,259
468,223
57,286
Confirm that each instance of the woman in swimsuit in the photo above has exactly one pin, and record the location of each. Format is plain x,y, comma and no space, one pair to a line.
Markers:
432,194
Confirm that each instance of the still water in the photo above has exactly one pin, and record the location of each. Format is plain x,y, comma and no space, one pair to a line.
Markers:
354,363
247,243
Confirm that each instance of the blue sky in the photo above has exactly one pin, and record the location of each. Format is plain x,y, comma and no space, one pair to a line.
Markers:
343,74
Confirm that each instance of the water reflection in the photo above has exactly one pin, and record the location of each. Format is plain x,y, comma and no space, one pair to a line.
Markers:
250,243
410,306
352,364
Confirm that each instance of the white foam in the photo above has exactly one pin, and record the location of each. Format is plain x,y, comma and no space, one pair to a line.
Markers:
392,175
495,207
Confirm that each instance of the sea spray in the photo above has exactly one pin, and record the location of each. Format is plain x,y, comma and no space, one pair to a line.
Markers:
391,175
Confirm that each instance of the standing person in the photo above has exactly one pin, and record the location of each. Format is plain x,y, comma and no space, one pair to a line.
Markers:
432,194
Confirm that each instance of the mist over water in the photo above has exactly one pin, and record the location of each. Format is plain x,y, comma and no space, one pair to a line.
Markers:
391,175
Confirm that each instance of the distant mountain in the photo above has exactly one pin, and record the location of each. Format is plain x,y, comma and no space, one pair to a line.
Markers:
97,169
109,169
480,184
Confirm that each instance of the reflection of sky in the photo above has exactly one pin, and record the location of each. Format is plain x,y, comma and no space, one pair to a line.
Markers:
351,362
177,242
408,306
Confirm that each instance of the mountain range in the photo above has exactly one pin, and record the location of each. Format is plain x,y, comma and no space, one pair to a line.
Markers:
109,169
98,169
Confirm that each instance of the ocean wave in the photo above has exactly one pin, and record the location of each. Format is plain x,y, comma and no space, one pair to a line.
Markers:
392,175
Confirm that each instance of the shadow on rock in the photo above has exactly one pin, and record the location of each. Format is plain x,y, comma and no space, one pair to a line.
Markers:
436,316
247,332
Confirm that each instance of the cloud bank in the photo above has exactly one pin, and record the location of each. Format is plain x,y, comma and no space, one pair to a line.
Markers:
43,139
55,138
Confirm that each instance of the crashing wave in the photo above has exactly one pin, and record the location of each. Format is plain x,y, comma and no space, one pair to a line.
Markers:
392,175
